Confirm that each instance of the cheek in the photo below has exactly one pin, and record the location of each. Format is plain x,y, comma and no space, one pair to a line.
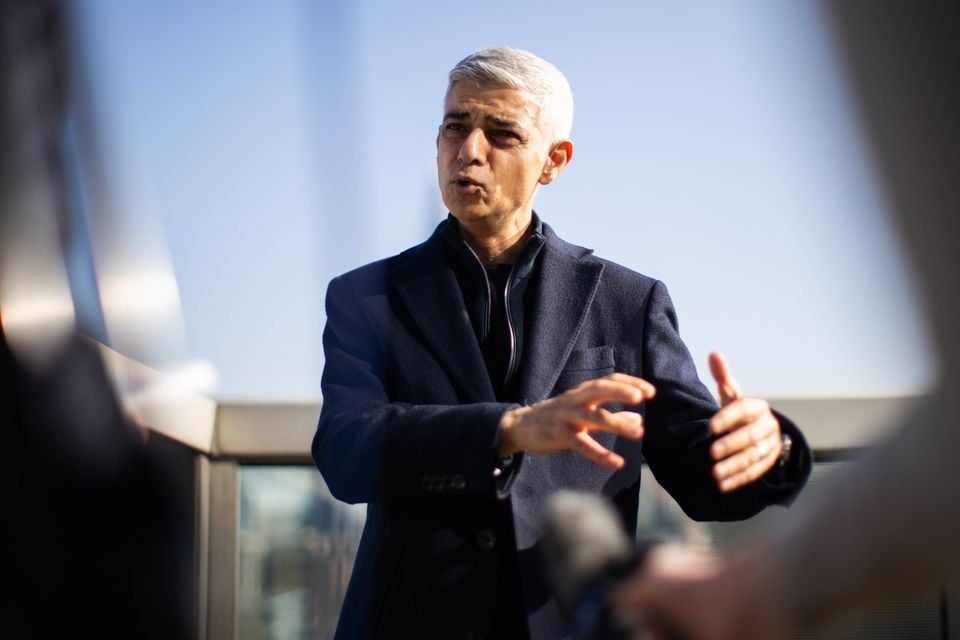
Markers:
446,152
524,181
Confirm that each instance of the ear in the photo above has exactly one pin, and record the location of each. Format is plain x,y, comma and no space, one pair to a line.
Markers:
557,160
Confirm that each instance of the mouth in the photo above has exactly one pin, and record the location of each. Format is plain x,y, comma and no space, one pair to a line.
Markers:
463,182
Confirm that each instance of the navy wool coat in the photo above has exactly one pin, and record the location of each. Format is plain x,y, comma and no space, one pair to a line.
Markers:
409,425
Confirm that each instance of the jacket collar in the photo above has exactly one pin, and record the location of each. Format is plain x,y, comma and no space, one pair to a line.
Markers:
427,285
569,277
451,234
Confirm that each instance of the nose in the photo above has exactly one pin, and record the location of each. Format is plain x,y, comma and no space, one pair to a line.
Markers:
474,148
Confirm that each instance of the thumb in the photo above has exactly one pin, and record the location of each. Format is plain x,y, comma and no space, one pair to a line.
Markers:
728,387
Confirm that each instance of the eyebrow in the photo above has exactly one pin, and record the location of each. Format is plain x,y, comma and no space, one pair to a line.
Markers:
503,122
500,122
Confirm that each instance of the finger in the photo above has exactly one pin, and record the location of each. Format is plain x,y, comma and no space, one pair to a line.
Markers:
736,414
646,389
609,390
748,466
593,450
649,391
623,423
727,386
745,436
743,459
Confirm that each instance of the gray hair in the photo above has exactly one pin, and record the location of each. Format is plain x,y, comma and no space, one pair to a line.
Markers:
523,71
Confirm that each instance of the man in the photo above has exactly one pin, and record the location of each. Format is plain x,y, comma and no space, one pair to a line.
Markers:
471,376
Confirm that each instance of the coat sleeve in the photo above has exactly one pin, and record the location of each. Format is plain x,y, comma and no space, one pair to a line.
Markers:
371,449
677,438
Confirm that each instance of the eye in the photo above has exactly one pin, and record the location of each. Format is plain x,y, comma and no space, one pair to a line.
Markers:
504,136
453,132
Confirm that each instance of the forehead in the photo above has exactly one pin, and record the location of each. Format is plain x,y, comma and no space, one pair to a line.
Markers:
492,101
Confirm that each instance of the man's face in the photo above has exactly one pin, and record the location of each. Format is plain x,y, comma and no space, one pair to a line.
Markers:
491,154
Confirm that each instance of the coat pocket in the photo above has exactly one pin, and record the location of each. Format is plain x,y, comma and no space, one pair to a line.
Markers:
592,359
583,365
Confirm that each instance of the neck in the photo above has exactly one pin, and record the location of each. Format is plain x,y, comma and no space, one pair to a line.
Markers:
499,242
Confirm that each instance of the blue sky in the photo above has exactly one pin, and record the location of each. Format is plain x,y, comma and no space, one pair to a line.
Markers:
717,149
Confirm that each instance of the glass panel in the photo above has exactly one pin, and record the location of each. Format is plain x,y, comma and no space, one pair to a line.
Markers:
660,517
297,546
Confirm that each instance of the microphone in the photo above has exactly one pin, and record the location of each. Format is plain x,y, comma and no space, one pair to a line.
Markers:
586,553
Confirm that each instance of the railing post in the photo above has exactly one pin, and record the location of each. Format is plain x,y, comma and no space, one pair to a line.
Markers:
222,550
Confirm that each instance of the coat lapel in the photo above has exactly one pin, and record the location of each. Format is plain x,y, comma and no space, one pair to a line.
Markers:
561,303
429,290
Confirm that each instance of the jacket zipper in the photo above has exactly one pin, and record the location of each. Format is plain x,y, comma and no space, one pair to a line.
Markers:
488,301
512,362
512,359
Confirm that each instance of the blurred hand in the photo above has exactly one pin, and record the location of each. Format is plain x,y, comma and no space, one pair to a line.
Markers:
566,421
751,443
701,596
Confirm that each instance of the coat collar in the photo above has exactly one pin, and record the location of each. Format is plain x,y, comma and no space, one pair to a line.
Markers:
427,285
568,280
569,277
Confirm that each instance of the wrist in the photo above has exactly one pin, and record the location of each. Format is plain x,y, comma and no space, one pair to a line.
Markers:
506,434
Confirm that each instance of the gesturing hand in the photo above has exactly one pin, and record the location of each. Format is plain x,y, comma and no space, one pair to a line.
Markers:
751,444
566,421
